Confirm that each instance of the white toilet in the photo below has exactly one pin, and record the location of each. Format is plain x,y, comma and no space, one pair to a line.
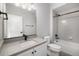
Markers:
53,49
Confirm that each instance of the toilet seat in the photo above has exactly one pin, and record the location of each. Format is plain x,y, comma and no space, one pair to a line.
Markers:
54,47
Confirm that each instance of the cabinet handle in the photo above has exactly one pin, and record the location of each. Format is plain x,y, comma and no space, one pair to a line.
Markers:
35,51
32,52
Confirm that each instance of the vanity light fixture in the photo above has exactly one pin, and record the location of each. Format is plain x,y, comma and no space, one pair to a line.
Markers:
28,6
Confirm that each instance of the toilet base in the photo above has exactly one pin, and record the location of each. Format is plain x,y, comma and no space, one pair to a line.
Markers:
52,53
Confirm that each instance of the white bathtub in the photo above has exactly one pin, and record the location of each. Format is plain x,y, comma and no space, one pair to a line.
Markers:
69,47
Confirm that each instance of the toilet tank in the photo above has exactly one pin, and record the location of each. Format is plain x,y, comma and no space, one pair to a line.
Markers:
47,38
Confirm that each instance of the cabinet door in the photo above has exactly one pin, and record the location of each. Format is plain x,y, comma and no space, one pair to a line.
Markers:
41,50
26,53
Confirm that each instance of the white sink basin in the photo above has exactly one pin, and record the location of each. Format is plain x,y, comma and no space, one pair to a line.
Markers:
28,43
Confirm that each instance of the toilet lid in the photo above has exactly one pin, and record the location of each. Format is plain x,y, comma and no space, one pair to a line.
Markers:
54,46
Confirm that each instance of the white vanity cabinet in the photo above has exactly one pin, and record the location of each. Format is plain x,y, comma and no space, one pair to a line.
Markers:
27,53
40,50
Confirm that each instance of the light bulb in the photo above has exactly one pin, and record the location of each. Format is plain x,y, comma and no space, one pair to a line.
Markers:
24,6
29,9
33,7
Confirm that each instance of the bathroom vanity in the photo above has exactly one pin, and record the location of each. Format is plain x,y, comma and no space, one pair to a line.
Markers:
33,47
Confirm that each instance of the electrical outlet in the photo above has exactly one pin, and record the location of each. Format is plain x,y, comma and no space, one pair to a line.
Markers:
70,38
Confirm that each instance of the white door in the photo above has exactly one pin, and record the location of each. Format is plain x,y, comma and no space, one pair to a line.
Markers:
26,53
41,50
14,25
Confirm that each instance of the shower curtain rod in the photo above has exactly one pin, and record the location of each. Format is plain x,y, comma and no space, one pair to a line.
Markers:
57,15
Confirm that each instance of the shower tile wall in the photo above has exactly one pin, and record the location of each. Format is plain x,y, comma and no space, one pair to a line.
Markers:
69,30
68,25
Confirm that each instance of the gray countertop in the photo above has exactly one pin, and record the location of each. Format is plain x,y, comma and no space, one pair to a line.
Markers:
12,48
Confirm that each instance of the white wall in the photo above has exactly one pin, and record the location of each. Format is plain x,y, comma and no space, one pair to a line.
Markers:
43,19
3,9
57,5
29,18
